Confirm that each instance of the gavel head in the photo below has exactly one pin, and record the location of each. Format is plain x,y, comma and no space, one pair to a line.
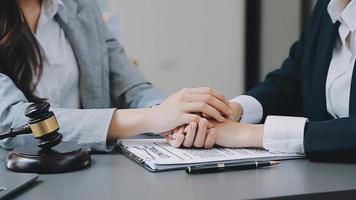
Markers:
44,125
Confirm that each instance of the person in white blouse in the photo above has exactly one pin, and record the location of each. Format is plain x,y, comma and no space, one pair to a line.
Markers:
308,105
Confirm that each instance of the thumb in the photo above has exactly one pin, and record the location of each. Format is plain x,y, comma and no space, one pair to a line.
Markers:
177,142
164,134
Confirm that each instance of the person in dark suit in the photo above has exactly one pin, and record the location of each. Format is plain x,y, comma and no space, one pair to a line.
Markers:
308,106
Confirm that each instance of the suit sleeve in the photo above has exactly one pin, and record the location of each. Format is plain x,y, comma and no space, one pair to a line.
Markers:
280,93
88,127
333,140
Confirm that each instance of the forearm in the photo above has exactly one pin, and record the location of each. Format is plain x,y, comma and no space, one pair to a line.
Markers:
256,136
130,122
236,135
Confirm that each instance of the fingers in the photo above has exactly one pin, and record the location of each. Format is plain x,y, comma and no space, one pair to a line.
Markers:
197,135
209,91
189,118
190,136
236,111
201,133
213,102
201,107
210,138
177,138
210,125
164,134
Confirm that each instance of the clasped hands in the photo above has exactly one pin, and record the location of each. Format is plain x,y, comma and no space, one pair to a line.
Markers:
212,121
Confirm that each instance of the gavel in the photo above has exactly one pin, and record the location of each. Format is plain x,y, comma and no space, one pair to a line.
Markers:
43,125
49,154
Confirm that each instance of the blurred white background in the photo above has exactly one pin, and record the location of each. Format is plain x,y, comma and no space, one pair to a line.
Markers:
189,43
184,43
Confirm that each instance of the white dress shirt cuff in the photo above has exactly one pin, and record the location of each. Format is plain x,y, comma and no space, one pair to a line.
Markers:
252,109
284,134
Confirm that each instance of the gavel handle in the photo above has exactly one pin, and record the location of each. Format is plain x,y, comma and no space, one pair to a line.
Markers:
13,132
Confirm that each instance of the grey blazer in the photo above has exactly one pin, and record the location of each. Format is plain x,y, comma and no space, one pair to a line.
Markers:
107,81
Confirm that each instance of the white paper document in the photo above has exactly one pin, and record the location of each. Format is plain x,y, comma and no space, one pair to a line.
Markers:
158,155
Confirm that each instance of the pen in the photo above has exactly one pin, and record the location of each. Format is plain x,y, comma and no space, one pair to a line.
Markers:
220,167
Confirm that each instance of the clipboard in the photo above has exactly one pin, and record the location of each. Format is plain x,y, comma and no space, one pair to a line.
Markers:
132,156
139,150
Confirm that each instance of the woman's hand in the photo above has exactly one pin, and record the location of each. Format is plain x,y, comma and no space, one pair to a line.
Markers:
182,108
187,105
237,111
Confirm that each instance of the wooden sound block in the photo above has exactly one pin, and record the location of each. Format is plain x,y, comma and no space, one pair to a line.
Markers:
65,157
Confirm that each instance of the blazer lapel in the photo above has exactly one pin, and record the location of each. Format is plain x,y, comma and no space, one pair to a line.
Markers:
326,42
82,35
352,109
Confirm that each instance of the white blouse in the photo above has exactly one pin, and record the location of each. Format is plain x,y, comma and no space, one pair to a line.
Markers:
59,83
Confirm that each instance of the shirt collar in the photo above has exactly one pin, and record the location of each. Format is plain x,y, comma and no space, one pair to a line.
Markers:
343,11
48,10
51,7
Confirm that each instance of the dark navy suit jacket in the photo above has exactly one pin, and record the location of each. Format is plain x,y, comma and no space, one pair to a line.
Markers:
298,88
